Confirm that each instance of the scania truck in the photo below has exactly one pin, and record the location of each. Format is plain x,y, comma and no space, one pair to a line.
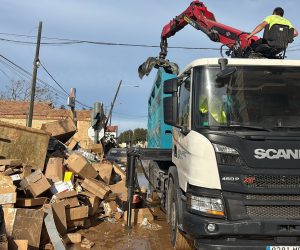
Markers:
230,129
233,177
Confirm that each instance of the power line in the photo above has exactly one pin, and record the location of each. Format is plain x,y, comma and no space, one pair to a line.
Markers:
30,75
128,115
82,104
66,41
27,79
53,78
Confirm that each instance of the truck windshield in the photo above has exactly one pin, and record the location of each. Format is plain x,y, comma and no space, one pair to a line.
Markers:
261,97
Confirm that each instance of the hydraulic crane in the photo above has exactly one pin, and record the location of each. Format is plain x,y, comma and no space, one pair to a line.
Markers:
198,16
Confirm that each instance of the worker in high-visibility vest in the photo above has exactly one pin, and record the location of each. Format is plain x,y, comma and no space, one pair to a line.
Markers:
215,109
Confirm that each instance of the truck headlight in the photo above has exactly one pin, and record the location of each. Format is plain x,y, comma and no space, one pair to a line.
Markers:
227,156
205,205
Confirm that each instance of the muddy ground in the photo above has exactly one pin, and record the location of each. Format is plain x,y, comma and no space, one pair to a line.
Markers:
115,236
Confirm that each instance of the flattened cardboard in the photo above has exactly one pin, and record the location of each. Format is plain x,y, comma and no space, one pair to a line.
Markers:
9,219
79,165
27,144
28,226
35,184
62,130
59,215
55,169
97,188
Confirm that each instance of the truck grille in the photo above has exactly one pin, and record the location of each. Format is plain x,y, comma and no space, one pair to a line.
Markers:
273,181
271,212
266,197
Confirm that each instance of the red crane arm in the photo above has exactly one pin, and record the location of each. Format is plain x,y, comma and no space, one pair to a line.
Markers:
202,19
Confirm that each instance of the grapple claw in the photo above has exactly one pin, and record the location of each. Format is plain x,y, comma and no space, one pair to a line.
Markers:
154,62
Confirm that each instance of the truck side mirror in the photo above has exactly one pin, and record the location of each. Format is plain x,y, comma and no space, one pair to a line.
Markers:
225,73
171,86
170,110
171,102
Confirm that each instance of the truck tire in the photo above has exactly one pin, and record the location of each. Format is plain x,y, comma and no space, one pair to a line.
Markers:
178,239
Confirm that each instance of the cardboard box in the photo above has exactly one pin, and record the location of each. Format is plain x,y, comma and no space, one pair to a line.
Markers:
77,213
55,169
27,144
97,188
31,202
68,198
92,201
79,165
97,148
35,184
104,170
7,190
120,190
62,130
138,215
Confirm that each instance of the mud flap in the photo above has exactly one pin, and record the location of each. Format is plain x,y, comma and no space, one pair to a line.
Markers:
154,62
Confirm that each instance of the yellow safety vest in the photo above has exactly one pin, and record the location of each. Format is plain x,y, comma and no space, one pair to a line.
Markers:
216,110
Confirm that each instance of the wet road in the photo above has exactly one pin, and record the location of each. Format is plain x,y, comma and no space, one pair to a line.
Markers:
115,236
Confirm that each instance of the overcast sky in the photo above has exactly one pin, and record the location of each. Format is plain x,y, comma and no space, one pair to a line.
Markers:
95,70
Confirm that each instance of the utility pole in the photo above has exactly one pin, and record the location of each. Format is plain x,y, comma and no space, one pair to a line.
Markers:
112,105
34,75
71,104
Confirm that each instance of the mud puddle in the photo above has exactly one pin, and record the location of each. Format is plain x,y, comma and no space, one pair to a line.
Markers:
115,236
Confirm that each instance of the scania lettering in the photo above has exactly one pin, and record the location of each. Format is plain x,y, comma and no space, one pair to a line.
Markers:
277,154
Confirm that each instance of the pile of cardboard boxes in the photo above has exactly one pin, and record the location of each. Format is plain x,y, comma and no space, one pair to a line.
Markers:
50,187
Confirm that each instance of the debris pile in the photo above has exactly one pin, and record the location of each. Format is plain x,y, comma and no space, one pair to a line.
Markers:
50,187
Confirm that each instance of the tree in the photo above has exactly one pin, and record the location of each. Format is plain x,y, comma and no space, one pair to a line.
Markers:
139,135
20,91
125,136
129,136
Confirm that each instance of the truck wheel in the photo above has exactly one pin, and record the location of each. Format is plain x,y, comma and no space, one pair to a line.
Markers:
178,240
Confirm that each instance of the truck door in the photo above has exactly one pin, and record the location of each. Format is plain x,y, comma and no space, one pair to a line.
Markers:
180,151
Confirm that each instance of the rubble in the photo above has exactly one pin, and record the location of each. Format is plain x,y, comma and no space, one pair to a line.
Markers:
49,190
